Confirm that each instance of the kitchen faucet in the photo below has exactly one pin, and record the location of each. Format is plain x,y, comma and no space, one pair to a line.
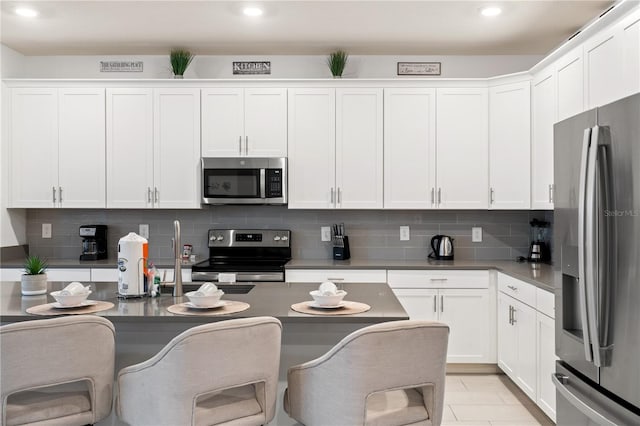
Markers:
177,270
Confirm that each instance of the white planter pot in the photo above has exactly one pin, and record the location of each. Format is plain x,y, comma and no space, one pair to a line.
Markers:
34,284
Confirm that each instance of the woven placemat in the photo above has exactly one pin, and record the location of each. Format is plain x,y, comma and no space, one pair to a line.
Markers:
230,307
349,308
48,309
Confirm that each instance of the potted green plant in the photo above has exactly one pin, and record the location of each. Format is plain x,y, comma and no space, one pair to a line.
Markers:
34,279
337,61
180,60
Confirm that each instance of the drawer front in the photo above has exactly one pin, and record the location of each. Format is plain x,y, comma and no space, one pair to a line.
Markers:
70,274
517,289
101,275
11,274
438,279
545,302
341,275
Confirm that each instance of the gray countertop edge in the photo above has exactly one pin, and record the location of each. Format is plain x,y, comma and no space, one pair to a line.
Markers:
542,275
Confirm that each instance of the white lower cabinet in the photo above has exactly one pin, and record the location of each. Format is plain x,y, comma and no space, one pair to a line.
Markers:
526,340
441,296
53,274
336,275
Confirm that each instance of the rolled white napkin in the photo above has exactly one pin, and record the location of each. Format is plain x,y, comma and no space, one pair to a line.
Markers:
206,289
75,288
328,288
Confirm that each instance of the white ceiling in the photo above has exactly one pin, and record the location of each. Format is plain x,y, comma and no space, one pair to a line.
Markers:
294,27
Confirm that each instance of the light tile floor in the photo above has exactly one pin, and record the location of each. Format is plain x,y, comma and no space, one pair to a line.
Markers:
488,400
470,400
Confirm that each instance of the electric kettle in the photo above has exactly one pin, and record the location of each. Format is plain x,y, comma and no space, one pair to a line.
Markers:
442,246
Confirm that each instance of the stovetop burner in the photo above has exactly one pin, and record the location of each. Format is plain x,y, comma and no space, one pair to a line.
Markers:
251,254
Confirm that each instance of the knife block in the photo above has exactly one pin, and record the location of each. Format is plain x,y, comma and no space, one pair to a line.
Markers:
342,252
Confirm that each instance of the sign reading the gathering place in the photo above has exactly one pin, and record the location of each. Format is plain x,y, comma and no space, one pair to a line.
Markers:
251,67
121,66
419,68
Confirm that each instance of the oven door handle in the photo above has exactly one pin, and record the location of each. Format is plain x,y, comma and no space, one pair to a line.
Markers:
263,184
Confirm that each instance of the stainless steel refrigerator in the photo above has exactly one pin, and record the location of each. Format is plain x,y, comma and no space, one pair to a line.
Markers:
597,262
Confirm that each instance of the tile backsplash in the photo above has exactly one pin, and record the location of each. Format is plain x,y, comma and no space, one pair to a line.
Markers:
373,234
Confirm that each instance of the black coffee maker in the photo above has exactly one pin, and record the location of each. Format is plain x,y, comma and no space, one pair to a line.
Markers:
539,248
94,242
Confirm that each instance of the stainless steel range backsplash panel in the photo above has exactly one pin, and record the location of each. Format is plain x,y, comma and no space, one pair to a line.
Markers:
373,234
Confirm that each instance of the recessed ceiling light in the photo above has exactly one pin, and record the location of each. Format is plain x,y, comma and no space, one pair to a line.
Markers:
491,11
26,12
252,11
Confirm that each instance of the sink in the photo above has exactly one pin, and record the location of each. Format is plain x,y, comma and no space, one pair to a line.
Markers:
227,288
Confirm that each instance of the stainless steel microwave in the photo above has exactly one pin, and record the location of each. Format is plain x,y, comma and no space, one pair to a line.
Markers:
244,180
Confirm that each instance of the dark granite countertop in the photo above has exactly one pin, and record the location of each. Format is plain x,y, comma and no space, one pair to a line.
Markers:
270,299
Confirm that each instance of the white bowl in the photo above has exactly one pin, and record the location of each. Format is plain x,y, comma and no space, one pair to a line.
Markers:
330,300
69,299
206,300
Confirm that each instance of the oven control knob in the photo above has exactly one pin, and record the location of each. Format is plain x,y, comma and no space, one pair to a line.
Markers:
276,238
284,238
220,238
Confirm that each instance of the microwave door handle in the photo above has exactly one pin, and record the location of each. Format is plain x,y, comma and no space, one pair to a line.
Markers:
263,184
581,244
592,259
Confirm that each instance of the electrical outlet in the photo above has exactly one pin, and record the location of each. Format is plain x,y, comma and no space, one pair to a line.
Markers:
325,232
143,230
46,230
405,233
476,234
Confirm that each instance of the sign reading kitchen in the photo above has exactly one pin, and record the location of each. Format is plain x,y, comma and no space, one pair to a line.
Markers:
251,67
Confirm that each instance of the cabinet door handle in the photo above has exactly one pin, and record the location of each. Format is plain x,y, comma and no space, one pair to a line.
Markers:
54,194
433,199
491,193
510,315
435,303
148,195
438,279
514,288
335,279
156,195
60,194
439,196
240,145
551,193
246,145
339,196
332,202
441,303
513,316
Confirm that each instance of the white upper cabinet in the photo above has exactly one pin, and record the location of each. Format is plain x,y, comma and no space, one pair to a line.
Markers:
462,148
335,148
409,148
630,32
510,146
603,70
543,116
176,148
129,148
359,162
312,129
240,122
59,134
153,148
570,76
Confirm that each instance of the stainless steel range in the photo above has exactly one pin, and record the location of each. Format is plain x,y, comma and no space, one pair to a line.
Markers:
251,254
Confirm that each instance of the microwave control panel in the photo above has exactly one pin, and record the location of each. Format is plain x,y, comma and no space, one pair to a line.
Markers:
274,183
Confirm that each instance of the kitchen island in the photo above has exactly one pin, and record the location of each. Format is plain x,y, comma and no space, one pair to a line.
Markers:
144,326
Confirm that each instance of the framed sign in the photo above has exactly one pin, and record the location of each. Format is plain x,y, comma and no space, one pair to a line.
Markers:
251,67
121,66
419,68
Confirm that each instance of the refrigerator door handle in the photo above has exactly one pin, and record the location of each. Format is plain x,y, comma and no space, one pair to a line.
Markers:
582,285
591,245
560,381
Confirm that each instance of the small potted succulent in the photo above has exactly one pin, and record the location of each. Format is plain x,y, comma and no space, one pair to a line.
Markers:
34,279
337,61
180,60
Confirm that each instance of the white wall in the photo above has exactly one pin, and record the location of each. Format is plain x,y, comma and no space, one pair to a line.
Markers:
12,222
382,66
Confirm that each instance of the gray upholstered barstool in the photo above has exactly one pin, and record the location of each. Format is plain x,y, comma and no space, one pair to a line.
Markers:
57,371
385,374
221,373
